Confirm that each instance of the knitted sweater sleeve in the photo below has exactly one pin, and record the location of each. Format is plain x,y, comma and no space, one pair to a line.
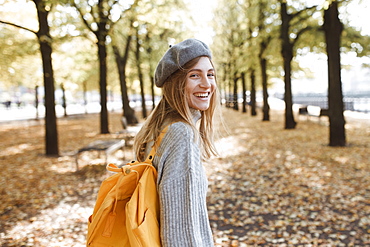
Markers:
182,187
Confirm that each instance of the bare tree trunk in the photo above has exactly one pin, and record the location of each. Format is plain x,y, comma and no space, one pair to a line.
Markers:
253,93
287,53
140,75
121,62
235,93
102,53
37,101
333,29
244,85
149,52
64,100
45,40
266,107
152,90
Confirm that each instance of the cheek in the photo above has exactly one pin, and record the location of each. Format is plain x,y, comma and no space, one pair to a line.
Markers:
189,88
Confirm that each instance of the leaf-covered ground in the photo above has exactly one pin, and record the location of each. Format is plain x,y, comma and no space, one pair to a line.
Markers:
268,187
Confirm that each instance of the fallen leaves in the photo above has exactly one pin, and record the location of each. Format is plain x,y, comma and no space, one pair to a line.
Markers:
287,188
43,199
269,186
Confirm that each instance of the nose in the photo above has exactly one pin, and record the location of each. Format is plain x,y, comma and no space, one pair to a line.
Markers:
205,82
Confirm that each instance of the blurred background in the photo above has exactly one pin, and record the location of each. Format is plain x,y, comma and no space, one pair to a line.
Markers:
114,46
78,71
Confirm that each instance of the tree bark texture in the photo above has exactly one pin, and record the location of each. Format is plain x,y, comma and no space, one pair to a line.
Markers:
253,93
287,53
102,53
140,75
235,93
64,99
333,29
37,101
45,41
263,66
152,90
121,62
244,86
101,35
151,70
265,107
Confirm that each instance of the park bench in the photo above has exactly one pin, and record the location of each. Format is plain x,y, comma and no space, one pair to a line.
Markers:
128,133
102,146
313,111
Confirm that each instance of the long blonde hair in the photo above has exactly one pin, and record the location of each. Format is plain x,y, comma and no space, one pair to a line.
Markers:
173,107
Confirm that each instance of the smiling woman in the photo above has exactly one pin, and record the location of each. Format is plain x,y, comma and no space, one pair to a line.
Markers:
187,77
200,84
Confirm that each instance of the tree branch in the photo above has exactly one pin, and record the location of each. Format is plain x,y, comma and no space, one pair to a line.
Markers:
303,30
301,18
82,17
18,26
303,10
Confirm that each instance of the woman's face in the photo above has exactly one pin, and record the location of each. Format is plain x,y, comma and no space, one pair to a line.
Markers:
200,84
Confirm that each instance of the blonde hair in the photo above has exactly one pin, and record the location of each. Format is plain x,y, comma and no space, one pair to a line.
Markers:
173,107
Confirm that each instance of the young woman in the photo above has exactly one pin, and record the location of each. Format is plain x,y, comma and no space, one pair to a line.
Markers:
187,77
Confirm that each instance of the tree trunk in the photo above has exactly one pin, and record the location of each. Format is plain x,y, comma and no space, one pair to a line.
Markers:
37,101
253,93
44,38
121,62
152,90
244,85
102,53
64,100
287,53
235,93
140,75
151,70
266,107
333,29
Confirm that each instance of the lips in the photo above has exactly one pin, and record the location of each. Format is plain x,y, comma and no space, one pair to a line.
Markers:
202,95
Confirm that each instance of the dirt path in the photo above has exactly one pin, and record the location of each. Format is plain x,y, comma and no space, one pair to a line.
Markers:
270,186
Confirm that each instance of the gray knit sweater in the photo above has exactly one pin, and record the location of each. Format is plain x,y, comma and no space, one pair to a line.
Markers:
182,187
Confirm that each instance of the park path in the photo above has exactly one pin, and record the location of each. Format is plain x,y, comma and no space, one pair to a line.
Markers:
268,187
276,187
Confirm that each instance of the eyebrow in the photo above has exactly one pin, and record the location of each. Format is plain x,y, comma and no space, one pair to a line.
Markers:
211,69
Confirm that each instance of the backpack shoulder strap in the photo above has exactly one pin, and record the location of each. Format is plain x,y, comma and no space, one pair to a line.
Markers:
153,151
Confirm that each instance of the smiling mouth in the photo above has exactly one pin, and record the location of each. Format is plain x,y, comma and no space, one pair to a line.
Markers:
202,95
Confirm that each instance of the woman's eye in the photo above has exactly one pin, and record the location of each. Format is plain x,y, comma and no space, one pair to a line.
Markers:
211,75
193,75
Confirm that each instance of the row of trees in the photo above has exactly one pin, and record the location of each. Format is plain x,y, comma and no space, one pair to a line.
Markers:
134,27
260,39
255,40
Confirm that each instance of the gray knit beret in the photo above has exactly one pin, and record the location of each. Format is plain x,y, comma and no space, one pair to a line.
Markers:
177,56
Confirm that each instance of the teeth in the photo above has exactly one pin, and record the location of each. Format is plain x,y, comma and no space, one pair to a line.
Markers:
201,94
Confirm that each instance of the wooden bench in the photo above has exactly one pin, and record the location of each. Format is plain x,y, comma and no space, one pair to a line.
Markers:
128,133
102,146
313,111
303,110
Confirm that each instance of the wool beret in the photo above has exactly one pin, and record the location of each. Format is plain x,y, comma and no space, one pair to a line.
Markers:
177,56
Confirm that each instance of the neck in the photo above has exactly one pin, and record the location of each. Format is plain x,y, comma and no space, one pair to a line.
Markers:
196,115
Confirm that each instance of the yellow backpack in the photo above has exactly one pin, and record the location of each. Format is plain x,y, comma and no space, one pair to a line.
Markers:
126,212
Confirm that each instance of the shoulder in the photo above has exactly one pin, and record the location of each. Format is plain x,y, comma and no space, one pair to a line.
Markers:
178,155
179,130
179,140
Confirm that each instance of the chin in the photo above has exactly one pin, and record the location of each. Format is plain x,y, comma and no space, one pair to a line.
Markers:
201,108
